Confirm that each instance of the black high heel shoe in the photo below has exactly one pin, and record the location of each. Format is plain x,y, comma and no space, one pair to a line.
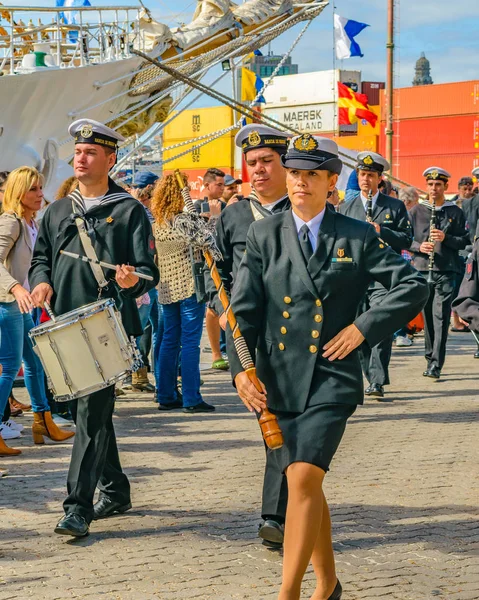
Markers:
337,592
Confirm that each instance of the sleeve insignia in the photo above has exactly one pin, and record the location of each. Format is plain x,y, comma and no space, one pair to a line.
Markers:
109,219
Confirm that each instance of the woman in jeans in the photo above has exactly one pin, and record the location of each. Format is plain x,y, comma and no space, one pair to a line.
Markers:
182,314
18,231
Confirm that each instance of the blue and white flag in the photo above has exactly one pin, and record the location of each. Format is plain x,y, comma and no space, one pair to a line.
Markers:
70,16
345,30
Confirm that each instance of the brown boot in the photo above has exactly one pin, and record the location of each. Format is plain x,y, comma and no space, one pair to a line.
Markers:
16,405
43,425
6,450
140,381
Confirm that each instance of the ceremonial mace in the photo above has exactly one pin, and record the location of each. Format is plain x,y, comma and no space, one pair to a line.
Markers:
268,422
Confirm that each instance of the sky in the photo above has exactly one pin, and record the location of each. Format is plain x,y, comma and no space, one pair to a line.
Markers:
446,31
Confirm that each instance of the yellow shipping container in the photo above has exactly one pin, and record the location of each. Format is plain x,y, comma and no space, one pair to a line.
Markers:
198,122
218,152
359,143
367,129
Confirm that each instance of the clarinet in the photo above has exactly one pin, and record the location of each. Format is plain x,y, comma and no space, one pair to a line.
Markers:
432,225
369,207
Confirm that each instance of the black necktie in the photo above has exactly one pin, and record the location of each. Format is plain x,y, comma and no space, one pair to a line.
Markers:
305,243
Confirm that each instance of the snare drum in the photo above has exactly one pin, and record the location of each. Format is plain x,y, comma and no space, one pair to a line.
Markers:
85,350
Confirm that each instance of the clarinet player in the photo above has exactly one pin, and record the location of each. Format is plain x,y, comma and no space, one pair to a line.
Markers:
390,220
439,233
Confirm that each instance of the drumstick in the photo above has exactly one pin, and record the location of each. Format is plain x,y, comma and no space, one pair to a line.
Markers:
103,264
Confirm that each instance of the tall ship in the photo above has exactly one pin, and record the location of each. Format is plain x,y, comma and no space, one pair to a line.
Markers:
53,72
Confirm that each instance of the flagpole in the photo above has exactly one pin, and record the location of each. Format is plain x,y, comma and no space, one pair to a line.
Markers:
390,87
335,83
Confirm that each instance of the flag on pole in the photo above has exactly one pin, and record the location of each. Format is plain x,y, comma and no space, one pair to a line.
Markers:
353,106
345,30
251,85
70,16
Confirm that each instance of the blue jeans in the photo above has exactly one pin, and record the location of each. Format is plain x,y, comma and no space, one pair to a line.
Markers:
183,326
15,345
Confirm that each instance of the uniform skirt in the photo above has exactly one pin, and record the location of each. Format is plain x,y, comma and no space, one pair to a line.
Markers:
314,435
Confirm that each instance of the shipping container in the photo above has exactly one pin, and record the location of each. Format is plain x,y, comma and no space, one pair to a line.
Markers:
364,128
443,99
441,136
317,87
372,89
306,118
198,122
215,153
410,169
359,143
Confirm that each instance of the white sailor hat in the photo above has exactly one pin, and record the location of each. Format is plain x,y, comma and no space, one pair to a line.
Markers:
372,161
254,136
311,152
436,173
88,131
475,172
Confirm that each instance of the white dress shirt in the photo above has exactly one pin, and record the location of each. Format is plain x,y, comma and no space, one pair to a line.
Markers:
313,226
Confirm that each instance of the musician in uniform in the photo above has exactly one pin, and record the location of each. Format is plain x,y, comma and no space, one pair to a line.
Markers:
439,233
262,147
119,232
470,206
390,219
295,297
467,302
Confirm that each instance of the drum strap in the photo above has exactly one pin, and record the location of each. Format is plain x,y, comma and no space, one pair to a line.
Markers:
90,251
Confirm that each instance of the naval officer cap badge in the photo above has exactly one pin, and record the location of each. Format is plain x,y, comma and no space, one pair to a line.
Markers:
371,161
255,135
436,174
88,131
311,152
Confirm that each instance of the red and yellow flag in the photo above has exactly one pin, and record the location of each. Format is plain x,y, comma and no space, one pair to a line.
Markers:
353,106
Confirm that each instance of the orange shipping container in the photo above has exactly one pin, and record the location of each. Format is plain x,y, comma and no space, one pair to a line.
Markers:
444,99
440,136
411,168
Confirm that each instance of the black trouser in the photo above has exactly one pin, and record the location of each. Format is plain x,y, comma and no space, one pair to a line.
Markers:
375,360
95,461
275,487
437,315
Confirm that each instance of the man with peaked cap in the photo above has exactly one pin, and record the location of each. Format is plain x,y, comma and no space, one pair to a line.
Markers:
296,297
119,232
390,220
444,235
262,149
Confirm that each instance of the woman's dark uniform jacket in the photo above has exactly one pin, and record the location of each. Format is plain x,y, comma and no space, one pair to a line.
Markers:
122,235
288,312
467,302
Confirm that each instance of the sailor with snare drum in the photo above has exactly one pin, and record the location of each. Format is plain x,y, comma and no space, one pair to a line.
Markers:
85,351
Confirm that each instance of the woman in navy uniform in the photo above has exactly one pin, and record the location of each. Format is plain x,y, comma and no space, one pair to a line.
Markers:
295,297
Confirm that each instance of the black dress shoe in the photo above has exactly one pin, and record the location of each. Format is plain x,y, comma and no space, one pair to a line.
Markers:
337,592
432,372
171,405
271,531
374,389
106,507
202,407
72,524
272,545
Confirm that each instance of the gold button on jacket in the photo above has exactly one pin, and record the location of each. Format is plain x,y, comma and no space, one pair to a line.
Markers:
284,330
318,318
315,334
281,346
313,349
318,302
286,314
287,299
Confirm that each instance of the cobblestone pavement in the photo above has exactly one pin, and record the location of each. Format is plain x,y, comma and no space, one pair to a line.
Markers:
403,491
